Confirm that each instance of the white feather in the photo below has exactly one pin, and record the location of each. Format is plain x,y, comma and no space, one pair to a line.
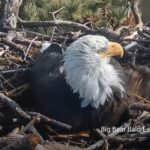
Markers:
88,74
45,45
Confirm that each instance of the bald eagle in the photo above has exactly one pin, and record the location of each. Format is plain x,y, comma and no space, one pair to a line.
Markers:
83,86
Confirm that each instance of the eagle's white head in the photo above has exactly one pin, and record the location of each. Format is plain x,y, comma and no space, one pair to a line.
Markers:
88,69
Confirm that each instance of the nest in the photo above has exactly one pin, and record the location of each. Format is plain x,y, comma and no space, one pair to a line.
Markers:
23,128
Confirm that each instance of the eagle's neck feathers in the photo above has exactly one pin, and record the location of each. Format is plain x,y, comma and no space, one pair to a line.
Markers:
89,75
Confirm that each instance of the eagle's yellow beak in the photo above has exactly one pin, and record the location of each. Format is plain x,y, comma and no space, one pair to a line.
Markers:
114,49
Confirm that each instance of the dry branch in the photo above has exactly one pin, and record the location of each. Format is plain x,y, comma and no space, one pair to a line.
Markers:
51,121
27,42
62,23
10,11
13,105
136,140
137,40
13,46
18,91
141,107
57,146
3,34
20,142
27,51
105,138
15,71
30,124
135,9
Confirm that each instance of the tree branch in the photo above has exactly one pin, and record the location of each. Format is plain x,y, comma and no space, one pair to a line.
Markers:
135,10
13,105
31,24
141,107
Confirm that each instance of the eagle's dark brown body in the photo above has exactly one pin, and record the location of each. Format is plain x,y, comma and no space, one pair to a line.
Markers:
56,99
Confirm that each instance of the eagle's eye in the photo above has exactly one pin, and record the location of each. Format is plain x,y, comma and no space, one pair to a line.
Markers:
114,49
101,50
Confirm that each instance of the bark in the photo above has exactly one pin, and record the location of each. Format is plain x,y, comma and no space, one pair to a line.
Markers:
9,11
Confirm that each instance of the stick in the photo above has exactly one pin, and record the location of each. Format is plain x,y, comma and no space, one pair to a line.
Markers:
100,142
31,123
14,106
134,7
136,40
22,142
27,42
17,71
51,121
136,140
31,24
141,107
13,46
25,56
18,91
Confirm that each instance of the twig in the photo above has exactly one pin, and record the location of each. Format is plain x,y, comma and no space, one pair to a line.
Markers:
62,23
54,29
13,105
27,51
17,71
133,35
130,46
22,142
71,136
6,81
58,146
143,35
100,142
31,123
51,121
30,32
146,30
27,42
13,46
30,127
34,131
3,34
19,89
102,135
141,107
134,7
56,12
132,141
141,134
4,15
141,98
137,40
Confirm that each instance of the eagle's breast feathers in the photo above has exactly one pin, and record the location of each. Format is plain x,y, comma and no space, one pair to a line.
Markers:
91,76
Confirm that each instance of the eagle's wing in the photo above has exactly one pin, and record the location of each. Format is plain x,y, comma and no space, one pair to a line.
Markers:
47,80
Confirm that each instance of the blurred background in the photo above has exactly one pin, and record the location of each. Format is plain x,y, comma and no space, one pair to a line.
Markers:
145,9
